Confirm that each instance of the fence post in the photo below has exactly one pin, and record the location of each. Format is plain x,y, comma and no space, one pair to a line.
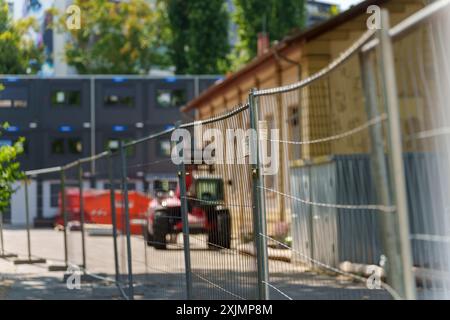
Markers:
92,97
184,218
27,218
259,210
397,172
112,193
64,213
2,244
389,235
80,187
310,220
28,260
123,158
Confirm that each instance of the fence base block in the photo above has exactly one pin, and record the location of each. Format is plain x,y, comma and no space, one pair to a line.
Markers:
29,261
56,267
8,255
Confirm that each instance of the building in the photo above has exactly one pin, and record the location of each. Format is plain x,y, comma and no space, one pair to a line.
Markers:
291,60
44,36
317,12
63,121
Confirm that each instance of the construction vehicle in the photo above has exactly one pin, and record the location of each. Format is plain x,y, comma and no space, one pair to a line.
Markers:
207,213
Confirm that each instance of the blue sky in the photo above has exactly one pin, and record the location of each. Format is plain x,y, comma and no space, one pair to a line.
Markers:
345,4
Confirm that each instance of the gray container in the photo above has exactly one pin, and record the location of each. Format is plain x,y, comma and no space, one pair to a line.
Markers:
354,235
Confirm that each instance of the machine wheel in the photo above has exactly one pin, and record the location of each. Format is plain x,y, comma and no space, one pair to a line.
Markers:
220,235
148,237
160,230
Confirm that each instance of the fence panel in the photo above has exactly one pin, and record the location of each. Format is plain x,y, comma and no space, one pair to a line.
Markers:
156,240
101,200
323,216
45,198
422,80
316,213
222,251
71,220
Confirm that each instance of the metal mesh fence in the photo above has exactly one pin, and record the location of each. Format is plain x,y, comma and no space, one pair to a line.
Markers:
100,213
323,218
222,245
156,244
330,188
34,193
69,204
422,81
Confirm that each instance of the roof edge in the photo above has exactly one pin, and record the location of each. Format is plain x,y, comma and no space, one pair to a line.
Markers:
305,35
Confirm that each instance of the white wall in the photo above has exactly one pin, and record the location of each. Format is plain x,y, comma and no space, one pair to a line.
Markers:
18,203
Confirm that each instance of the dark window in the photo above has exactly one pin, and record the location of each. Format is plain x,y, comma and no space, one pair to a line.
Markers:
164,148
113,145
167,98
58,146
12,97
209,189
159,185
75,146
69,145
164,185
115,100
119,97
70,98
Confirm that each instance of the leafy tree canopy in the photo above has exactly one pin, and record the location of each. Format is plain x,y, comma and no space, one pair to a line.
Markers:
277,17
18,52
116,37
9,169
199,42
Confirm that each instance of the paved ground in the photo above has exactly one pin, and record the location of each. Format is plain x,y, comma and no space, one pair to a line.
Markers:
224,274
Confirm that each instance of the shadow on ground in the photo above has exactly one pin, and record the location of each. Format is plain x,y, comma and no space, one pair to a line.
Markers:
206,285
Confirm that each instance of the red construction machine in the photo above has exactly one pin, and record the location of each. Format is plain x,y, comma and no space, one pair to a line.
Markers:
207,213
97,209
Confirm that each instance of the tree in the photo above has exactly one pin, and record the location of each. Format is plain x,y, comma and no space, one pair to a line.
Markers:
199,41
277,17
9,169
18,53
115,37
179,24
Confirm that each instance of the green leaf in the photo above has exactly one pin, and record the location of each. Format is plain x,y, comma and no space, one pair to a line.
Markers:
9,169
